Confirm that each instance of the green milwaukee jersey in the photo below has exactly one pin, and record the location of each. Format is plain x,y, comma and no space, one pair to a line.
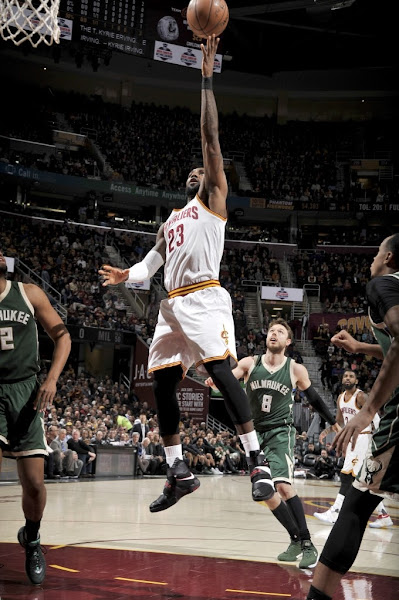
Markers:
382,295
19,356
270,394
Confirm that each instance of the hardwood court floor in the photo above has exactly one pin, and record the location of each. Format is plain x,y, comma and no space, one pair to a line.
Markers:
216,544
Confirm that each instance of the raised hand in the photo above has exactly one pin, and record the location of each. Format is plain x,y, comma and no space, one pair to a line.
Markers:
208,55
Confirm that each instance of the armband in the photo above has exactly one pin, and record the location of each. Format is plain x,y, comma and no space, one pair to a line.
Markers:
146,268
319,405
207,83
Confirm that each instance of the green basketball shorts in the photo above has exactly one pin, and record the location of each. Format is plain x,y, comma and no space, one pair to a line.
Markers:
21,425
278,445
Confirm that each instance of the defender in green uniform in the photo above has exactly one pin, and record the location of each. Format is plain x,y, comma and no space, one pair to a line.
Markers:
379,476
22,400
270,380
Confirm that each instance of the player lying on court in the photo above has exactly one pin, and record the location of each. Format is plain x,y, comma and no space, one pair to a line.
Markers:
195,323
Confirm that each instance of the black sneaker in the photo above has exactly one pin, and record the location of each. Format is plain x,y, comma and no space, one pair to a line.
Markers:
35,563
262,484
179,482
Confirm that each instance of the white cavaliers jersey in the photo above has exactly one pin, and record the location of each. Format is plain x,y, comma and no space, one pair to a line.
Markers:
350,408
354,457
194,238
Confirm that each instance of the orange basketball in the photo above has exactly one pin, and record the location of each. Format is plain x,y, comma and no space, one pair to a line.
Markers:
206,17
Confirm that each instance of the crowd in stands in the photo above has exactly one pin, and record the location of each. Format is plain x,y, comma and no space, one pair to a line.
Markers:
67,258
360,235
291,162
88,413
342,278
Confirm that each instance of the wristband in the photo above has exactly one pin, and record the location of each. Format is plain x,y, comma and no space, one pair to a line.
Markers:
207,83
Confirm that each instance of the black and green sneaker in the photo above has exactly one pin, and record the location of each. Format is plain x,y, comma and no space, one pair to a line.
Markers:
35,563
292,553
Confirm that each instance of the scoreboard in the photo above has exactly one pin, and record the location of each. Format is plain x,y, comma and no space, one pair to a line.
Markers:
129,26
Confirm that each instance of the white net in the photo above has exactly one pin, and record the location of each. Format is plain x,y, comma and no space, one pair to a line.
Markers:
30,20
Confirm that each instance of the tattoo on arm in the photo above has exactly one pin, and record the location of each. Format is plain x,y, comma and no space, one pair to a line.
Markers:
209,116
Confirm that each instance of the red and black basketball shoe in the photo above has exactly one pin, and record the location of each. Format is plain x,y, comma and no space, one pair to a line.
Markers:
179,482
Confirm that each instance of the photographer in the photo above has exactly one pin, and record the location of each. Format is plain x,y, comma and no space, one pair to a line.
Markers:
324,466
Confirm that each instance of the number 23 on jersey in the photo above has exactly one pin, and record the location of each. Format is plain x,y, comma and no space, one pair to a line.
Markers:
175,237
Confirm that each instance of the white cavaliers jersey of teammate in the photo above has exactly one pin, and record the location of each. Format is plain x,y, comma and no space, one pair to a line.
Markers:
354,458
194,238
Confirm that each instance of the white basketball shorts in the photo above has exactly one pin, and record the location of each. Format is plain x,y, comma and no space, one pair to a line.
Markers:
193,329
354,458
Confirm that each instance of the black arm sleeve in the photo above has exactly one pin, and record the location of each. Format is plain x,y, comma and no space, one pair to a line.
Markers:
319,405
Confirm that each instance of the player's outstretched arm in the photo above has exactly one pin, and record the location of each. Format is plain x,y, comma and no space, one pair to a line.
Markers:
214,187
145,269
344,340
303,382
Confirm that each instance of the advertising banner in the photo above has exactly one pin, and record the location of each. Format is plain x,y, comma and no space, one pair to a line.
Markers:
183,56
142,381
139,285
357,322
281,294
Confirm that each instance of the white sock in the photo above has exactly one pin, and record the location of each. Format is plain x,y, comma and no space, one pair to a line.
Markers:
338,502
249,441
173,452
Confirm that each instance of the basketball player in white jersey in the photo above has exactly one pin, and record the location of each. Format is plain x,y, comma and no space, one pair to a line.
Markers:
348,405
195,323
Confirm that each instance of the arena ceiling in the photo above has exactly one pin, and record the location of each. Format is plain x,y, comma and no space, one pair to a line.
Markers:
274,39
281,35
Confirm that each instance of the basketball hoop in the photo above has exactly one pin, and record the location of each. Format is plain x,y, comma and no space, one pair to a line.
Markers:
32,20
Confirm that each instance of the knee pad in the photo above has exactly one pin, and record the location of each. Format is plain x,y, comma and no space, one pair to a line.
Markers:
262,484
